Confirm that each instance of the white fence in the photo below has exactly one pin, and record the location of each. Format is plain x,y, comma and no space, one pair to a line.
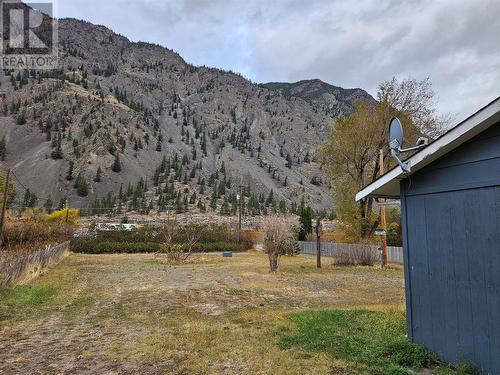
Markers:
394,254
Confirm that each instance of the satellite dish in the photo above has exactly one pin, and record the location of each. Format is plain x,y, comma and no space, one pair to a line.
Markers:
396,138
396,135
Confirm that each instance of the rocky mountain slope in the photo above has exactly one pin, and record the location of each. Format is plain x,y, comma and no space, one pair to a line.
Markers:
333,100
132,125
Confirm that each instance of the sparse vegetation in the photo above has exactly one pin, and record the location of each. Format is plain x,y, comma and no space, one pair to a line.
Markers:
172,240
360,255
279,238
28,245
148,312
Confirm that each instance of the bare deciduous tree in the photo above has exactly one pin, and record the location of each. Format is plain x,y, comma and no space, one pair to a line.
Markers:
351,154
417,100
279,235
177,253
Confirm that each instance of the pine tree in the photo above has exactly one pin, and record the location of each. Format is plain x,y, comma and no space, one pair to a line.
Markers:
305,220
30,199
3,149
213,200
81,186
224,209
69,175
21,119
48,205
98,175
116,167
57,153
270,198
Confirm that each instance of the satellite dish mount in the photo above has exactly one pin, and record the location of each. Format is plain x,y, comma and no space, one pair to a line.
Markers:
396,138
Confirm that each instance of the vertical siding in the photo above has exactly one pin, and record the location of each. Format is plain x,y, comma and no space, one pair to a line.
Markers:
451,234
454,274
408,266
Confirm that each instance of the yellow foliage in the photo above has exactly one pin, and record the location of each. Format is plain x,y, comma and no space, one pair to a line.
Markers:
61,216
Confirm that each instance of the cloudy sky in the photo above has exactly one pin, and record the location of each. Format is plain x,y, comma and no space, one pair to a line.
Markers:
343,42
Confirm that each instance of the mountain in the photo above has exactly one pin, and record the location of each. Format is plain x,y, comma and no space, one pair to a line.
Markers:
133,125
333,100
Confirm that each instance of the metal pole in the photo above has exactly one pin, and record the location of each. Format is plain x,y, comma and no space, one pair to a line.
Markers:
4,205
383,223
318,243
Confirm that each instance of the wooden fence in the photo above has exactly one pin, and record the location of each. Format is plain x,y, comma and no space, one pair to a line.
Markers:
394,254
21,267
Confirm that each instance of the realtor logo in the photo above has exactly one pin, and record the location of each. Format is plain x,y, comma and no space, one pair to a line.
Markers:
29,36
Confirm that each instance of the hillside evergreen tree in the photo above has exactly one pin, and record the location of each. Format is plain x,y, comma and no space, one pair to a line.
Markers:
98,175
21,118
30,199
48,206
116,167
81,186
57,153
3,149
213,199
69,175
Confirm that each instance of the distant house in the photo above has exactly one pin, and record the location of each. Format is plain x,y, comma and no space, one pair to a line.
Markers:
450,213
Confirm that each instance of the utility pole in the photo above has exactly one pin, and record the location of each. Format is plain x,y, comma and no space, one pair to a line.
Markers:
4,205
239,197
318,243
383,223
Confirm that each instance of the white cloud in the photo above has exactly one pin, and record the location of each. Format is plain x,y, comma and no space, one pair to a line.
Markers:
346,43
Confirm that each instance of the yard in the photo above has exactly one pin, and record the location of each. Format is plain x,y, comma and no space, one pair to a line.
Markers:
131,314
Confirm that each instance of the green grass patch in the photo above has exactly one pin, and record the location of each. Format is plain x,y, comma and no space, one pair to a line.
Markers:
25,297
373,339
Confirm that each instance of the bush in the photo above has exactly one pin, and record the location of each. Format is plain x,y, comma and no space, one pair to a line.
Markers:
96,247
248,238
357,255
93,246
290,247
60,216
151,233
34,227
279,234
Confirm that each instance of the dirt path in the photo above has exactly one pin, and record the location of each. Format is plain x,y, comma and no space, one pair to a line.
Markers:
129,314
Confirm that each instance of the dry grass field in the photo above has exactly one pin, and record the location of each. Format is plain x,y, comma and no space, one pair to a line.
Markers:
131,314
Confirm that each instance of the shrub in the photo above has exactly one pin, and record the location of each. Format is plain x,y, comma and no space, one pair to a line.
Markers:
60,216
279,232
34,227
357,255
151,233
290,247
248,238
96,247
90,246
